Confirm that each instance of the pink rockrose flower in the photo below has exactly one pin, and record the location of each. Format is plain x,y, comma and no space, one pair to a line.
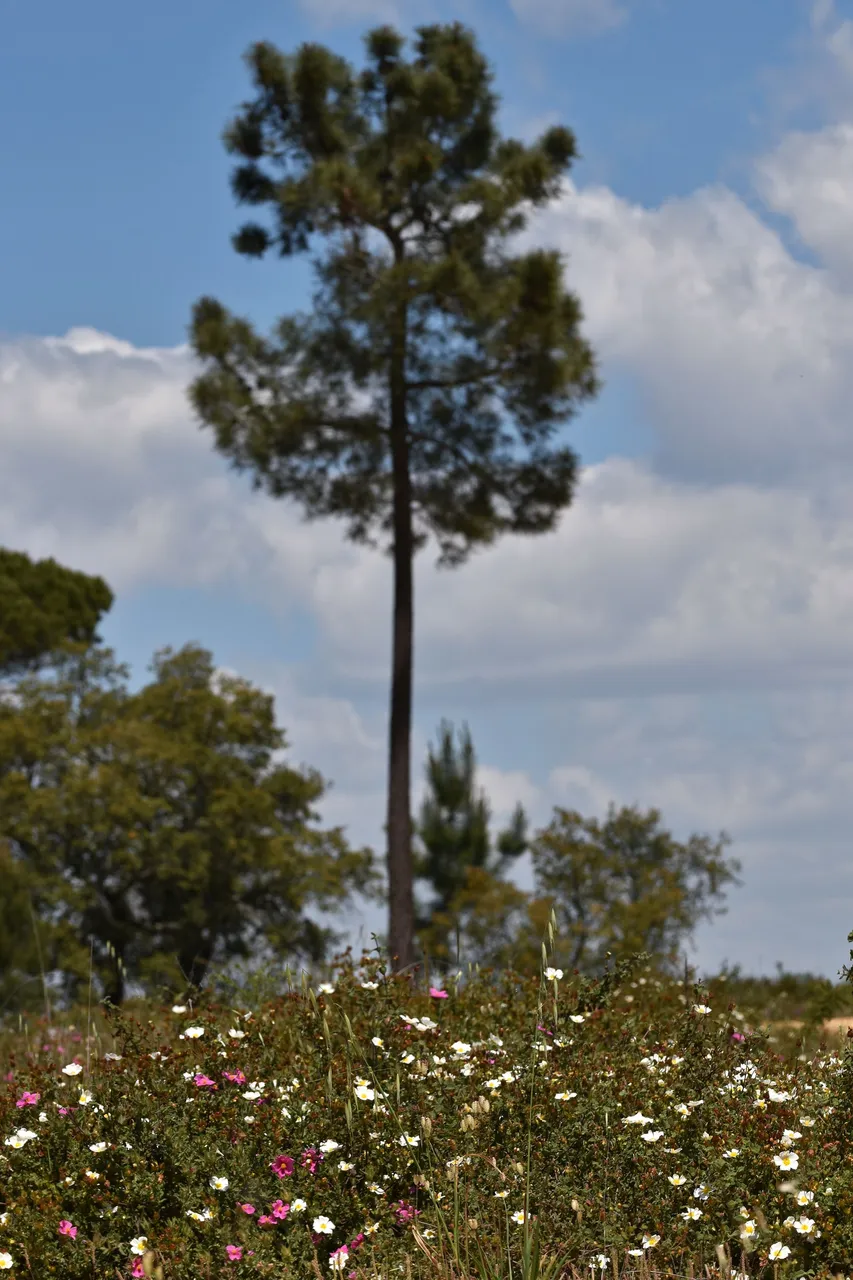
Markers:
234,1251
28,1099
437,994
311,1158
247,1208
283,1166
280,1210
203,1081
66,1228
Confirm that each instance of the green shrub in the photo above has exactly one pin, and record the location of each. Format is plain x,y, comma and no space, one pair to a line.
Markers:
423,1129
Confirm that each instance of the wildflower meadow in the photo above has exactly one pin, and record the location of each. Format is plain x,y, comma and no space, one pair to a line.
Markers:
498,1125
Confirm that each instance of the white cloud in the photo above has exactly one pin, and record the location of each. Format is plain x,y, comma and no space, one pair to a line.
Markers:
742,353
809,179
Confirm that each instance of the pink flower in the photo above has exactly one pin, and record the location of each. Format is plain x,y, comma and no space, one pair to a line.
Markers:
236,1077
266,1221
247,1208
234,1251
66,1228
405,1212
342,1253
28,1099
358,1241
311,1157
137,1270
203,1082
283,1166
436,994
737,1035
280,1210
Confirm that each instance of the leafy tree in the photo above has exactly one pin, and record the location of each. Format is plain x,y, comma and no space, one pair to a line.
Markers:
43,607
421,394
454,834
626,885
158,825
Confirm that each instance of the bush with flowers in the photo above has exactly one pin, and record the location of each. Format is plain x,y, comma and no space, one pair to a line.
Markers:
364,1126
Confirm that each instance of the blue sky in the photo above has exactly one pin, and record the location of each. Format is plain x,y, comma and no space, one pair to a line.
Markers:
684,640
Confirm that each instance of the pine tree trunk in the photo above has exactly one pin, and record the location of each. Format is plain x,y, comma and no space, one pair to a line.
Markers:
401,905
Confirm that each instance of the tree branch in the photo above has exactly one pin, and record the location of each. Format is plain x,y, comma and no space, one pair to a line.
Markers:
448,384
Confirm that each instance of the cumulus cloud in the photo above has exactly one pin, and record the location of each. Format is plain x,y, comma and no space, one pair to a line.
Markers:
809,179
741,352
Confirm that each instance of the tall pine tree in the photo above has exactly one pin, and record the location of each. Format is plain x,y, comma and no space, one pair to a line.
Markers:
421,394
453,835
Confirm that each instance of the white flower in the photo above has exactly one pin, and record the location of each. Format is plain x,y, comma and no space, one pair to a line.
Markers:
461,1048
323,1226
298,1205
6,1262
691,1214
748,1229
807,1122
364,1092
519,1215
601,1261
370,986
85,1098
73,1069
406,1140
97,1147
637,1118
677,1179
138,1243
20,1138
701,1008
701,1192
219,1183
731,1153
326,989
194,1033
236,1034
553,975
805,1226
577,1017
565,1097
329,1145
649,1242
378,1041
778,1095
204,1216
179,1008
779,1250
653,1135
787,1160
804,1197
